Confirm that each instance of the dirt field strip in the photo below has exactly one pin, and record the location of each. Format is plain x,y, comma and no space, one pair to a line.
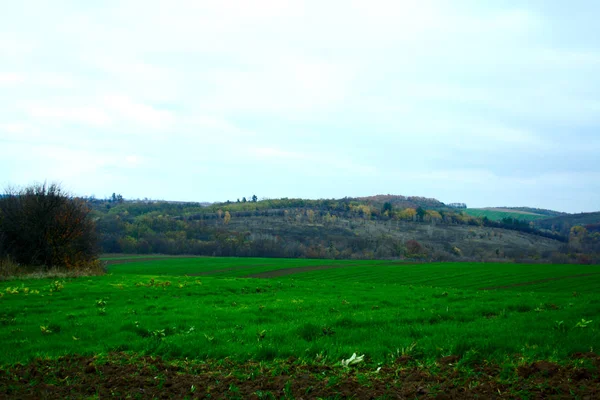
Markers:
538,281
122,376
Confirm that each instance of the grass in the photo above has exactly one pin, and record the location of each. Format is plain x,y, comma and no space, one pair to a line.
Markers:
380,309
222,267
548,278
497,215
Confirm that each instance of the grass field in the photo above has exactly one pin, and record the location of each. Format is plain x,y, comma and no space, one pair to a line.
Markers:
497,214
318,311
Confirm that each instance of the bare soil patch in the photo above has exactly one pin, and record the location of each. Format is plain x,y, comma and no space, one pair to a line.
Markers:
124,376
538,281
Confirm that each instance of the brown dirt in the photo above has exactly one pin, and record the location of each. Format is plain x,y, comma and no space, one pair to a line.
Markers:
123,376
290,271
538,281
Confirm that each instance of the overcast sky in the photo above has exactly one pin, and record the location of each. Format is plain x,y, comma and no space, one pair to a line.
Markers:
491,103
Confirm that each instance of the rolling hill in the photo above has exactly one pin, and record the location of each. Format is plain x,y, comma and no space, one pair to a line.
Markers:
375,227
564,223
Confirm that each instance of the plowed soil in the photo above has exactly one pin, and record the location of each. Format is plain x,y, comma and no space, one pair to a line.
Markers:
124,376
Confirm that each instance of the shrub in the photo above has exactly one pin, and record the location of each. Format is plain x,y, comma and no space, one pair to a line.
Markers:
7,266
42,225
413,248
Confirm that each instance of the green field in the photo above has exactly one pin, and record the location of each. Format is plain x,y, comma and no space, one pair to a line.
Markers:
497,215
376,308
209,309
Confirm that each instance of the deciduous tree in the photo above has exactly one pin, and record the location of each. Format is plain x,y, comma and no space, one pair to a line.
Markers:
44,226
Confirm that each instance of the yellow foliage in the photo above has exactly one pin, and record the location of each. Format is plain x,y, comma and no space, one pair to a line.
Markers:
363,209
434,214
578,231
407,214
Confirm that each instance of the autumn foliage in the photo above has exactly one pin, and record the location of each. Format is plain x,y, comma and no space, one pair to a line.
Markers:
42,225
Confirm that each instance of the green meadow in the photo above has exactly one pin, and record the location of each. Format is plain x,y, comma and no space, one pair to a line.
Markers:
497,215
208,308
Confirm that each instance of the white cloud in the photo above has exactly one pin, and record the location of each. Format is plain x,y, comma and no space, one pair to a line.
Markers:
567,58
103,112
510,21
7,78
54,81
312,162
38,79
289,84
57,161
14,128
354,91
83,115
126,68
10,46
134,160
215,125
454,176
272,152
141,114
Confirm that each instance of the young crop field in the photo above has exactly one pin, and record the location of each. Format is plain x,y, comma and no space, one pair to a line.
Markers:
271,328
498,214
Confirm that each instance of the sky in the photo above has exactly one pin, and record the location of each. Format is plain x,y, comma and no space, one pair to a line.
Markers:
490,103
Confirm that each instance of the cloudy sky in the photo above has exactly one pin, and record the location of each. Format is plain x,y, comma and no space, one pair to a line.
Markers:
491,103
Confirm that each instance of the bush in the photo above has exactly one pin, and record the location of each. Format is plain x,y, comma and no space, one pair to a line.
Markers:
7,267
42,225
414,248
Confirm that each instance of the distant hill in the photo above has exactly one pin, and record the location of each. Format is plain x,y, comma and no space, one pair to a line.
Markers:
373,227
564,223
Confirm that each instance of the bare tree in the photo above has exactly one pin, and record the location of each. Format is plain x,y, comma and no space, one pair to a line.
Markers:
42,225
